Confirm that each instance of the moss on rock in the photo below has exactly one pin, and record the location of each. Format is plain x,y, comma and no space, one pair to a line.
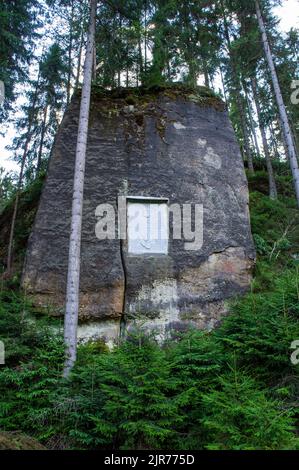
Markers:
18,441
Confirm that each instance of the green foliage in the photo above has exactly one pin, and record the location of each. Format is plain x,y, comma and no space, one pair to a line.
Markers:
275,227
262,326
239,416
26,390
123,399
18,29
196,360
185,395
33,367
28,203
233,388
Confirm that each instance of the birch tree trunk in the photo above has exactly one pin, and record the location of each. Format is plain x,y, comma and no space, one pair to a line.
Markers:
280,103
73,277
271,178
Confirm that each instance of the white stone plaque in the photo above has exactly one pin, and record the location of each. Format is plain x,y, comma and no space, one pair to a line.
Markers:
147,227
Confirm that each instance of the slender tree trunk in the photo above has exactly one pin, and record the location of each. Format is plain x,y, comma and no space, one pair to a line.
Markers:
69,75
140,59
272,184
206,76
244,131
295,138
282,136
120,39
223,85
168,66
79,61
94,62
274,143
20,180
252,123
40,150
280,102
16,205
145,38
237,93
73,278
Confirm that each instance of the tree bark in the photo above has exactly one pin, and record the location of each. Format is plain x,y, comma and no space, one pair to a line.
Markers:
271,178
223,85
94,63
282,138
274,142
73,277
237,93
280,103
69,74
79,61
40,150
145,37
252,123
16,205
20,180
206,77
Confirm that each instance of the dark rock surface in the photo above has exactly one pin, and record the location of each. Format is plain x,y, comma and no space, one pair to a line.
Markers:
170,147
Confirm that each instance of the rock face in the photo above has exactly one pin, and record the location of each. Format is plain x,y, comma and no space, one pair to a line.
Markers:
181,149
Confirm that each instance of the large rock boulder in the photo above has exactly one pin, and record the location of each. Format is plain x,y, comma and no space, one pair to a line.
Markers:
171,144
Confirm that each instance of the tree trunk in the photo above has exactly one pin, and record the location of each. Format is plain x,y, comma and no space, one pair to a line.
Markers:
223,85
40,150
280,103
20,180
237,93
94,63
252,123
140,59
272,184
206,77
73,277
274,142
16,205
282,138
69,75
145,37
294,135
244,130
79,61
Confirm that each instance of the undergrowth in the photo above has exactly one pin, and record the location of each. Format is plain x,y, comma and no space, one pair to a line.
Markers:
234,388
